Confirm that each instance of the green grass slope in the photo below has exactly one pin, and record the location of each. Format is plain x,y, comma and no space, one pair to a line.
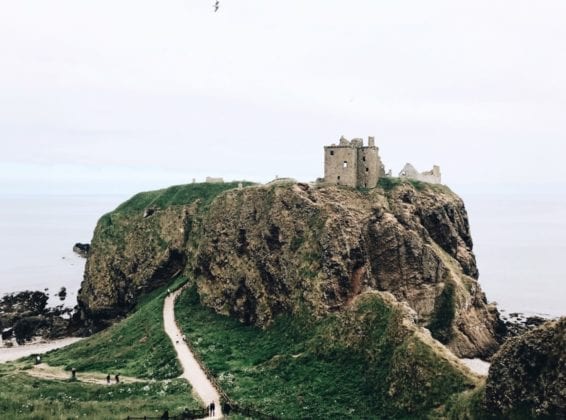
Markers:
177,195
25,397
360,363
136,346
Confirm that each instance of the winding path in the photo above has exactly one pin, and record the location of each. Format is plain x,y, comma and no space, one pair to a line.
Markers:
192,371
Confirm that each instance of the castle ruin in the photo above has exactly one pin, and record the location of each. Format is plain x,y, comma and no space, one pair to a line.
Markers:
352,164
433,176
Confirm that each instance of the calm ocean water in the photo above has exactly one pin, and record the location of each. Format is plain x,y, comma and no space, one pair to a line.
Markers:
519,243
37,234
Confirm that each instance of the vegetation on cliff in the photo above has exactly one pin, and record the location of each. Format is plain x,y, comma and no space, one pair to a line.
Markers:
139,247
137,346
366,361
527,377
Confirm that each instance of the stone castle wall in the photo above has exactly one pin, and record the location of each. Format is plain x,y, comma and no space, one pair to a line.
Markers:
352,164
433,176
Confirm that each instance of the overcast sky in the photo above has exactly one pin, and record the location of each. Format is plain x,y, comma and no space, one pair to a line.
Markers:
120,96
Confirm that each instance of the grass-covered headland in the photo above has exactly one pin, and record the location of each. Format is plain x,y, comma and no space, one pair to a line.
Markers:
360,363
137,346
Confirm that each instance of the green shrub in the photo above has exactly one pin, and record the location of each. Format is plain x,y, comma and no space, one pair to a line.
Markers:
389,183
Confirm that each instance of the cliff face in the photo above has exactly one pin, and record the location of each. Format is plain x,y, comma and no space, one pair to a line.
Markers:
527,377
260,251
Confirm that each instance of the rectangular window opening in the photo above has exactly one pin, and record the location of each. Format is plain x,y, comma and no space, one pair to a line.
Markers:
332,153
367,169
345,164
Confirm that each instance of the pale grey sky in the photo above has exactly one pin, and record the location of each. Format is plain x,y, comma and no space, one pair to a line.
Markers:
123,95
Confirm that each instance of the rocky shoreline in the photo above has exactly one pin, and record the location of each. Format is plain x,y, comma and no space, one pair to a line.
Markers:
25,317
518,323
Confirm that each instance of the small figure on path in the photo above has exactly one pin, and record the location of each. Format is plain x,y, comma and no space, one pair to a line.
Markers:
73,373
37,359
165,415
117,377
168,292
185,415
211,408
108,379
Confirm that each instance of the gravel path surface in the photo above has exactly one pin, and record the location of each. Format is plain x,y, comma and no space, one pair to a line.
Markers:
192,371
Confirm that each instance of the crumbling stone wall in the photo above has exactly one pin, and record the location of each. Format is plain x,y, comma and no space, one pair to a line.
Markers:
213,180
432,177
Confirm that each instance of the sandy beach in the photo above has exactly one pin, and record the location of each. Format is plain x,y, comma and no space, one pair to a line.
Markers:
8,354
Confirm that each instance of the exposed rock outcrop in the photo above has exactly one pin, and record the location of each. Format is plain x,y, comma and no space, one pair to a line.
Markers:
260,251
81,249
265,251
527,378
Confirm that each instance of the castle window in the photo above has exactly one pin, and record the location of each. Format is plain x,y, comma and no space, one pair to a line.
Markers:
367,169
345,164
338,177
364,158
332,153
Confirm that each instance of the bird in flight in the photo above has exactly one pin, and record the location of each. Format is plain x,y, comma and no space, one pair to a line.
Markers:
216,6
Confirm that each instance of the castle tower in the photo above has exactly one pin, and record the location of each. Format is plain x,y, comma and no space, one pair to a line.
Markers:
353,164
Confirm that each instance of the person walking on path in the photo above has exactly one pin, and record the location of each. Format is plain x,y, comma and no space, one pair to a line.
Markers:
108,379
117,377
211,408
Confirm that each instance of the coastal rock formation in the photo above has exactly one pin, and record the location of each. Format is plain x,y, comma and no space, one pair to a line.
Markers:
261,251
527,378
25,315
81,249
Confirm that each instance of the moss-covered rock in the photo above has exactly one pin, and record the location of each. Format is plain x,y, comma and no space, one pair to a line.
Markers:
527,378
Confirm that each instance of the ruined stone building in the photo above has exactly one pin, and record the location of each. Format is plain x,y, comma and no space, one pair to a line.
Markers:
433,176
353,164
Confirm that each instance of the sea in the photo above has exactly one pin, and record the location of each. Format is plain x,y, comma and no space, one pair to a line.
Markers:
519,242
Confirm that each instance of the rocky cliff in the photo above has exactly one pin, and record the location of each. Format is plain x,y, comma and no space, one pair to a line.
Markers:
528,376
260,251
